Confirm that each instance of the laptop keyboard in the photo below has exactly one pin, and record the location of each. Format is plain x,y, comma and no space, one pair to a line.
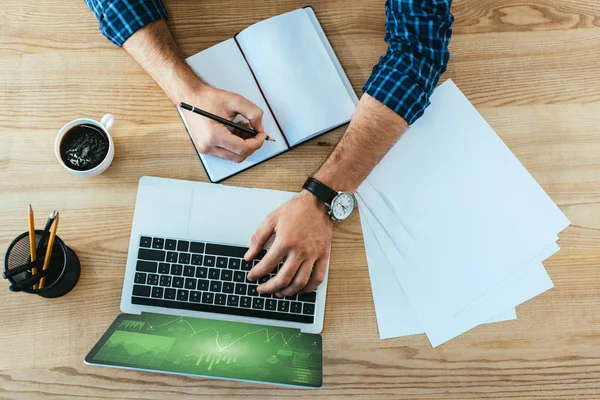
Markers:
210,277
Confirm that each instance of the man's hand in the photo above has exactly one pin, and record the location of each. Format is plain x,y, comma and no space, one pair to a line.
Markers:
303,233
211,137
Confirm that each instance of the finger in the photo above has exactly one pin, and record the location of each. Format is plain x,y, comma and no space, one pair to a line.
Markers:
317,276
260,237
300,280
248,109
223,137
274,255
284,277
224,154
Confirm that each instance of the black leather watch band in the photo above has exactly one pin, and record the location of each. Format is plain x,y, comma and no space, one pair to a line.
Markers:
320,190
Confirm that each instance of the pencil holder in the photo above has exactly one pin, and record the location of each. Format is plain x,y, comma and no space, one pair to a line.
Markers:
61,275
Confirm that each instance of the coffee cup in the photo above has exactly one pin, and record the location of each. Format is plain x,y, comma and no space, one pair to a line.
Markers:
84,146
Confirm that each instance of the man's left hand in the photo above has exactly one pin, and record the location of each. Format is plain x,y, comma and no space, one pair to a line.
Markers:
303,233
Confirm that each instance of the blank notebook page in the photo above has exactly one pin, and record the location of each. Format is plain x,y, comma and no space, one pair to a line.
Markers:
296,74
224,67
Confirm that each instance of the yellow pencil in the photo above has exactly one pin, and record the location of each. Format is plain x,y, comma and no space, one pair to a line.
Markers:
32,250
49,250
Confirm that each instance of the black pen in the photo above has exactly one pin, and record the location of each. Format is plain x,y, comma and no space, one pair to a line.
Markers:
224,121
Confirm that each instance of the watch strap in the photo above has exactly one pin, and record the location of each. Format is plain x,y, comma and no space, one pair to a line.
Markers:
320,190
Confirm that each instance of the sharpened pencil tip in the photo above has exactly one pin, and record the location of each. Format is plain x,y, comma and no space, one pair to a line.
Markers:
270,139
53,214
29,210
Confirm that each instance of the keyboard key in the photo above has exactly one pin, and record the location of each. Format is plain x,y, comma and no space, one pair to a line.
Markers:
246,265
208,298
308,309
152,279
223,250
171,256
233,300
139,290
178,282
226,275
183,245
184,258
146,266
221,262
267,295
195,296
245,302
176,269
164,268
296,307
152,255
214,273
170,244
263,279
215,286
170,294
140,278
220,299
252,290
310,297
271,305
292,297
196,247
209,261
157,292
158,243
182,295
190,283
258,303
232,310
145,241
201,272
165,280
203,284
240,288
234,263
239,276
254,263
283,306
196,259
228,287
188,270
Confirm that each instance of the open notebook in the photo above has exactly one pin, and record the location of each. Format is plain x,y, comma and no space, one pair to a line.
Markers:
286,66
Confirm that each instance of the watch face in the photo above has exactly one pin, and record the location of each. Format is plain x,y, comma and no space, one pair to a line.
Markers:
342,206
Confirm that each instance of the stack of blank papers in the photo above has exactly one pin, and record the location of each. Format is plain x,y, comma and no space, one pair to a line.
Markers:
455,228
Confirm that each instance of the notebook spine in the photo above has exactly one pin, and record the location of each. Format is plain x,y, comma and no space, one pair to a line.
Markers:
261,91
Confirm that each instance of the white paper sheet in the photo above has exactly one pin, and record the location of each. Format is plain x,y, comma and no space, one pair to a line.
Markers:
297,75
465,211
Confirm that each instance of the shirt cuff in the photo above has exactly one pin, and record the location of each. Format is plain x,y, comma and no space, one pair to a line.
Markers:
122,18
390,83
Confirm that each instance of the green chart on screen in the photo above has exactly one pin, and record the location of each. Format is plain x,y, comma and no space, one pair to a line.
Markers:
211,348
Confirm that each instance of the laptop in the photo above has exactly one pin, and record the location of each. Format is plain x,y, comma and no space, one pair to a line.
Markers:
186,253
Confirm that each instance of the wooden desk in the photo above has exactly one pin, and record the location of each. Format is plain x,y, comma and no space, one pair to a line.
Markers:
531,68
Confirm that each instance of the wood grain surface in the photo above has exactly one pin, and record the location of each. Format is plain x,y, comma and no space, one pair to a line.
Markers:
532,68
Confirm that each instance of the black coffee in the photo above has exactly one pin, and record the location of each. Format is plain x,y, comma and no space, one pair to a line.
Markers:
83,147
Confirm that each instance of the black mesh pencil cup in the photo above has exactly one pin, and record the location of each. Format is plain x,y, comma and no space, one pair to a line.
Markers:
61,275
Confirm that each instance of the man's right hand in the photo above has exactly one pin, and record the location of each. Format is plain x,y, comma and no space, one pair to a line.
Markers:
211,137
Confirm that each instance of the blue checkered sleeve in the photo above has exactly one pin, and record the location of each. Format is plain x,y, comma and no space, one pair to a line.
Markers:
418,35
119,19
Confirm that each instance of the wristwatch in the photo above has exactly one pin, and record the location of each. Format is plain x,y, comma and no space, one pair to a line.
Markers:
340,204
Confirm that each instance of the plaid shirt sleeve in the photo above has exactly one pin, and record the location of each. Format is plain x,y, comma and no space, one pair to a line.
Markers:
418,35
119,19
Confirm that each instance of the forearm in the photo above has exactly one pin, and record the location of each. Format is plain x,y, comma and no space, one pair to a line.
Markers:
372,132
154,49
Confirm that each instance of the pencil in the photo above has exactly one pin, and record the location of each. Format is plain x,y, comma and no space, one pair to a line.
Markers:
32,250
224,121
49,249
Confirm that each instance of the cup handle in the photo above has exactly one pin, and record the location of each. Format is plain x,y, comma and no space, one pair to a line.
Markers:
107,121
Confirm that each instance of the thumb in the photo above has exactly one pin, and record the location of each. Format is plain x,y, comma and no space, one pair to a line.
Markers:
251,111
260,237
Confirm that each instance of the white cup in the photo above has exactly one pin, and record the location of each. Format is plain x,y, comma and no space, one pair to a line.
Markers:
104,125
